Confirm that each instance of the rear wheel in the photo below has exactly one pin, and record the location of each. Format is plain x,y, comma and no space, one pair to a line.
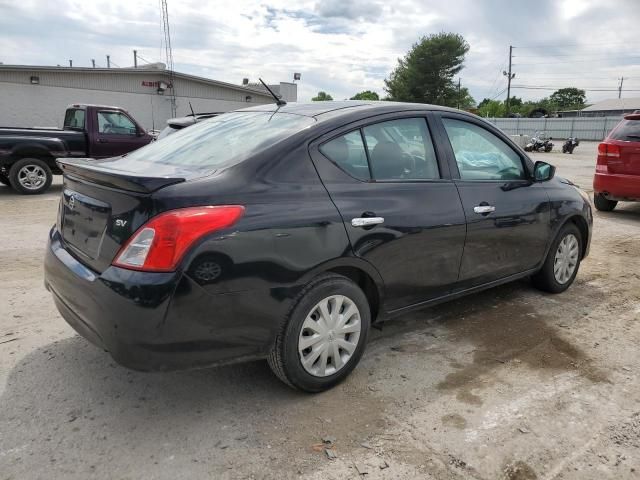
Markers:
603,204
30,176
324,336
562,263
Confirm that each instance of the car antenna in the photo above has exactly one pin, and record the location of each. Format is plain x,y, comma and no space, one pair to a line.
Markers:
279,101
195,120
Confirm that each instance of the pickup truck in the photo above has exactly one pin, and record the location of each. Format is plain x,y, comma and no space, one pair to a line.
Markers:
28,155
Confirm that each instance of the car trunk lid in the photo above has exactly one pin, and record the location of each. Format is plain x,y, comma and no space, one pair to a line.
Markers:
102,205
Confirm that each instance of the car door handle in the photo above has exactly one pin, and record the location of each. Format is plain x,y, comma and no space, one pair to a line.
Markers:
103,140
366,221
484,209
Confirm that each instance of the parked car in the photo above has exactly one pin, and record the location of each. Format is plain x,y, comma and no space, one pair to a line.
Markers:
178,123
286,232
617,177
28,155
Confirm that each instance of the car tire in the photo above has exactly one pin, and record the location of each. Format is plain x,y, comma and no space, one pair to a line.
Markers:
4,180
603,204
566,251
287,357
30,176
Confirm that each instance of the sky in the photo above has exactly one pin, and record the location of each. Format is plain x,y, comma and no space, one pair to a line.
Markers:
340,46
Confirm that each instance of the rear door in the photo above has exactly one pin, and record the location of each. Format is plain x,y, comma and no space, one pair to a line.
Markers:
115,133
508,220
400,208
627,137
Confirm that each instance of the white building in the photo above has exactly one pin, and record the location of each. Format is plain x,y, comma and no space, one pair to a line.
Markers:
38,96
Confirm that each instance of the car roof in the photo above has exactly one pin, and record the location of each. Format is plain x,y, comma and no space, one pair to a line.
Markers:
318,109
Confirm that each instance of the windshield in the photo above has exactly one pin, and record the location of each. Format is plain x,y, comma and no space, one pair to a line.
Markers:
219,142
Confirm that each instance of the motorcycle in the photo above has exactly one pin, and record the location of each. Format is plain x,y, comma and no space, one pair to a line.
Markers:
539,144
570,144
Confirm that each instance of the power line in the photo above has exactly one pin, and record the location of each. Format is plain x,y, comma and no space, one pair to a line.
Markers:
594,89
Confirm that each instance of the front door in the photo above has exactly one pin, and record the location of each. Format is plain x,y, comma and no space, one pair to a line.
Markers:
400,208
508,220
115,134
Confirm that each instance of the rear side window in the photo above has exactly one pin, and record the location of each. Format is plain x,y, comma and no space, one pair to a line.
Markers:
401,150
480,154
627,130
347,151
74,119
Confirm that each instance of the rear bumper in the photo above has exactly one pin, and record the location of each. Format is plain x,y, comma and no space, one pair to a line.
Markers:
156,321
617,187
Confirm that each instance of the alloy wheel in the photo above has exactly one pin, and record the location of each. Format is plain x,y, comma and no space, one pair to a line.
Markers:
32,177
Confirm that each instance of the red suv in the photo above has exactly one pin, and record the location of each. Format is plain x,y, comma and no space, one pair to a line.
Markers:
618,169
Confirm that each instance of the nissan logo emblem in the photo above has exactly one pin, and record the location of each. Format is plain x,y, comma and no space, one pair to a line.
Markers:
72,202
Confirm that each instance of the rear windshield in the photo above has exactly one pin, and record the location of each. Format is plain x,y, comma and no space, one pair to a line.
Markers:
74,119
627,130
221,141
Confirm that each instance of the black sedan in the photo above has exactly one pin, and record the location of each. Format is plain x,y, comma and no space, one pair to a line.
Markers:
285,232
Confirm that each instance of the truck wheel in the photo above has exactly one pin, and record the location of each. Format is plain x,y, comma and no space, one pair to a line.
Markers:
4,180
30,176
603,204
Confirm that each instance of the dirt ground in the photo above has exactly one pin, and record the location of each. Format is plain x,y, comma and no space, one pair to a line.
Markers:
506,384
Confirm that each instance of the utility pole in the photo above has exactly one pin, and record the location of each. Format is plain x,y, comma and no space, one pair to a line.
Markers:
108,61
70,63
135,59
510,76
620,87
458,93
93,62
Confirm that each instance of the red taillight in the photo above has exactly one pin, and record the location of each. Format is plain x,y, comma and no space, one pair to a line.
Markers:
159,245
606,152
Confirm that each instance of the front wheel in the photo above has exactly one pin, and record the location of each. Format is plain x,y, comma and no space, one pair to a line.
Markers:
603,204
324,335
563,261
30,176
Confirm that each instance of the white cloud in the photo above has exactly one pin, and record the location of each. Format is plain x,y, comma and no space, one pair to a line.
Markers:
339,46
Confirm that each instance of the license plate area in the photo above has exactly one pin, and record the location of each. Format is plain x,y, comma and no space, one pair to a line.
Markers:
84,221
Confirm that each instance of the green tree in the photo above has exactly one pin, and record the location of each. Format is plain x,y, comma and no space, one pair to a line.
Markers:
568,98
425,74
464,100
365,95
322,97
491,108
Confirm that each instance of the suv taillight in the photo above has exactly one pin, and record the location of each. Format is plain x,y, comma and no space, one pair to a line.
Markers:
606,151
160,244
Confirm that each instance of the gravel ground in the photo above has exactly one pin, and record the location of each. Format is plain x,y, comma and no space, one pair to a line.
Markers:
509,383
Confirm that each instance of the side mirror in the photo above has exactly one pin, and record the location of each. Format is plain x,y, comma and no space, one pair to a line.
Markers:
542,171
141,132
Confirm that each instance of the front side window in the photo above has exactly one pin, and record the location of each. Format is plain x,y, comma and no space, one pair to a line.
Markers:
480,154
401,150
74,119
115,123
348,153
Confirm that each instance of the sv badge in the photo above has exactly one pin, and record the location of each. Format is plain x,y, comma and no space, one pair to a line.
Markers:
121,223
